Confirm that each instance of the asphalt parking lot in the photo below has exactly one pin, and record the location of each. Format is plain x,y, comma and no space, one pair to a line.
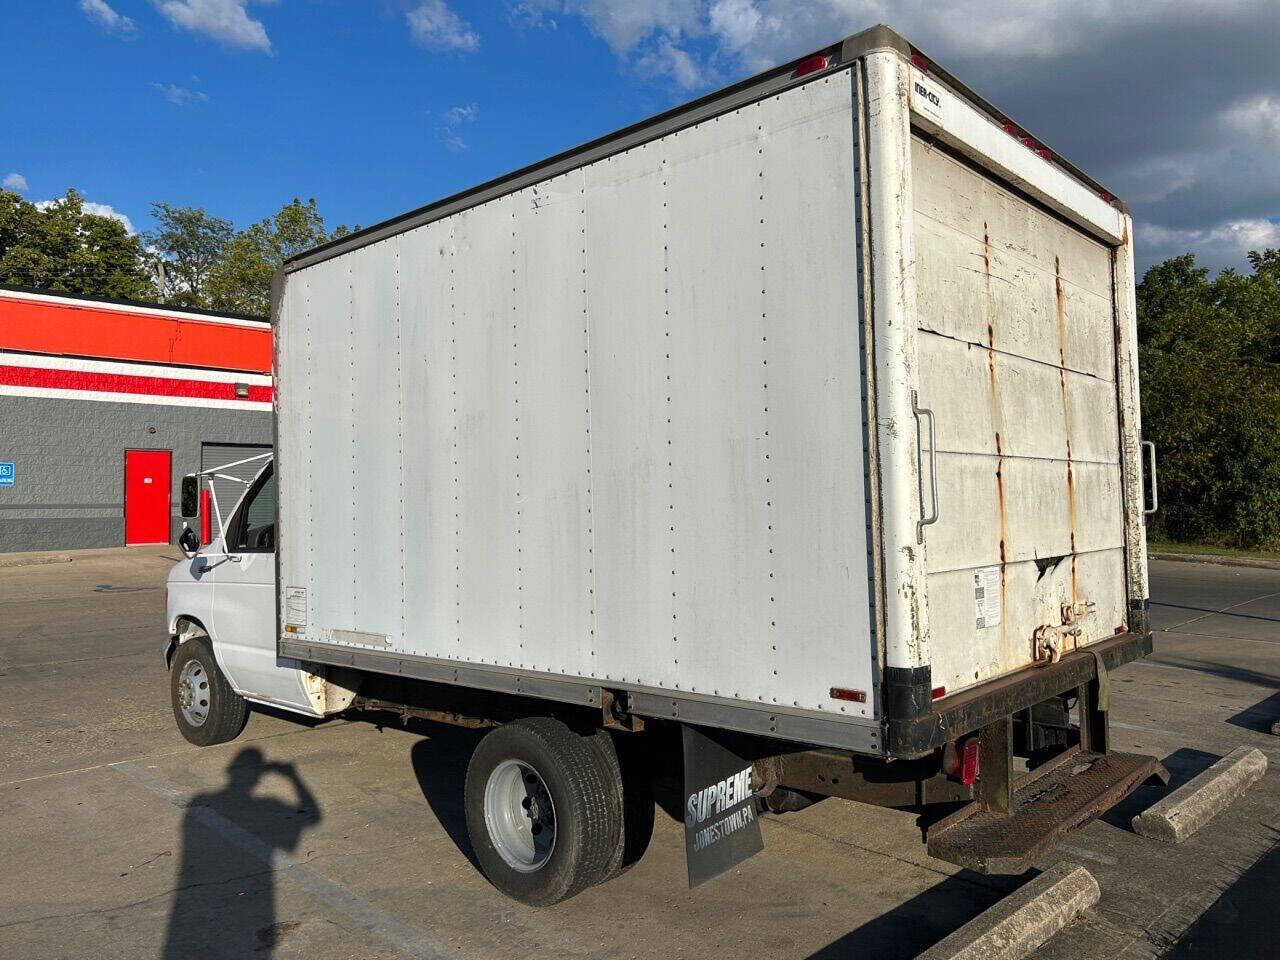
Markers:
345,840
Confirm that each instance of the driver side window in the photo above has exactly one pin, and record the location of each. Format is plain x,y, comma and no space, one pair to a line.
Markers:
255,528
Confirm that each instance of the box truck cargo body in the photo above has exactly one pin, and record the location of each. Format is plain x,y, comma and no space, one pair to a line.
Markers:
807,412
648,422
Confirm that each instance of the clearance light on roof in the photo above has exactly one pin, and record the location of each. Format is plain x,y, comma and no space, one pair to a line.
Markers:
920,63
1030,143
812,64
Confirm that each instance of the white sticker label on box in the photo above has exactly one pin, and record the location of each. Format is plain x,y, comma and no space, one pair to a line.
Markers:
295,609
986,597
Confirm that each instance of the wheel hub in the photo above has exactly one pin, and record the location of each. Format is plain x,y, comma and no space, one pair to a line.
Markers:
193,693
520,815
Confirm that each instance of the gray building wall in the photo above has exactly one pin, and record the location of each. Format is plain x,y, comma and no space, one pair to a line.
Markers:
68,456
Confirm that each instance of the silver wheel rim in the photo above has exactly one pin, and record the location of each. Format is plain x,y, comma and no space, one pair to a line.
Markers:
193,693
520,815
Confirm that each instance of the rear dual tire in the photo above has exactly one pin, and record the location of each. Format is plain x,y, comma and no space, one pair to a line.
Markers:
547,812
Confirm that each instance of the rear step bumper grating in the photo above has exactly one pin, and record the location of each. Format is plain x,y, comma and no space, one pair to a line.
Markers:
1048,803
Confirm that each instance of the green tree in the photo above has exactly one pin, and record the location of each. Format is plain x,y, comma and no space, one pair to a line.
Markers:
1210,359
183,249
241,279
60,247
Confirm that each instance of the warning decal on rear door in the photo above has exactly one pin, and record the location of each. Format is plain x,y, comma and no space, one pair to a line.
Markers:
986,597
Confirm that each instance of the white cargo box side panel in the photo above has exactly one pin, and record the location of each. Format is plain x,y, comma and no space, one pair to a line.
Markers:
628,410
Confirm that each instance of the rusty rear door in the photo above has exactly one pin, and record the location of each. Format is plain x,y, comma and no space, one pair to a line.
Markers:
1017,358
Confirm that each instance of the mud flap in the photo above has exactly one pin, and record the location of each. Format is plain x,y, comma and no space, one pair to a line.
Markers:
721,828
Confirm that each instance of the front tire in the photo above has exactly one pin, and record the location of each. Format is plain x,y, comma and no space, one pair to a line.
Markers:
544,812
205,707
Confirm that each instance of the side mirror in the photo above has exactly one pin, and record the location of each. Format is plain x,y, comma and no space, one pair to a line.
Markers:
189,542
190,497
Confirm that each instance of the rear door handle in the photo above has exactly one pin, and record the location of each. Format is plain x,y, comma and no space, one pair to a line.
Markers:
933,465
1150,449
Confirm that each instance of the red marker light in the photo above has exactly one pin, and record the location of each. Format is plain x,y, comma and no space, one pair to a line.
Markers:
810,65
920,63
969,762
938,693
856,696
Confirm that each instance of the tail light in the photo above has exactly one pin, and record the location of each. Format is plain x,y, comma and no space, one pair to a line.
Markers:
960,761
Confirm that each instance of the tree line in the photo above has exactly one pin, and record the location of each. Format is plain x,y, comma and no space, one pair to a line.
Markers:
190,259
1209,347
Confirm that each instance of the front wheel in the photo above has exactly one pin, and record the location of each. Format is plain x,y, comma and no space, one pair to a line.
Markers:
205,707
544,811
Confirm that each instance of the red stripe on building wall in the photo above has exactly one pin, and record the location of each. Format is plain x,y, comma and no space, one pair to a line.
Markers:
79,330
126,383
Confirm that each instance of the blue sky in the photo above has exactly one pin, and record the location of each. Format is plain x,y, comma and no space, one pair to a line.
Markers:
377,106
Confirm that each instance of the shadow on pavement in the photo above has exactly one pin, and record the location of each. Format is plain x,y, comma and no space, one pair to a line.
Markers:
922,921
1244,674
225,904
1244,921
1260,716
1217,613
440,764
1183,764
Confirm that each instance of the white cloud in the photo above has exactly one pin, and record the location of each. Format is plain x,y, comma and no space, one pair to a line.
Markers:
456,115
665,59
226,21
101,13
1224,244
97,209
454,118
737,22
180,96
433,25
16,182
1255,117
624,24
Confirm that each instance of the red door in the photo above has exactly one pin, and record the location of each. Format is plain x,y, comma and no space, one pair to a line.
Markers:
146,496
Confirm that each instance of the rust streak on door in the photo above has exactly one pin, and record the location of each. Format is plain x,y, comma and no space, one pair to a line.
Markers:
998,423
1066,417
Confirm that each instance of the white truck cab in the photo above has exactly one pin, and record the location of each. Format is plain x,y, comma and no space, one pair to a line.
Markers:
223,595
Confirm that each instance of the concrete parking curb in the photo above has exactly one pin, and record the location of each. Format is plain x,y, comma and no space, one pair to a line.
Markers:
34,561
1024,920
1225,560
1202,798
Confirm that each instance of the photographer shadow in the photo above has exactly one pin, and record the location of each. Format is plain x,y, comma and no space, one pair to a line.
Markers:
225,901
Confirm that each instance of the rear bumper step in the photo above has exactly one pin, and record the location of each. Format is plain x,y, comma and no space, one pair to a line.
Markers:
1048,803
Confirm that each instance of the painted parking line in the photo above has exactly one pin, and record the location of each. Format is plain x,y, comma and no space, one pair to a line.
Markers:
400,935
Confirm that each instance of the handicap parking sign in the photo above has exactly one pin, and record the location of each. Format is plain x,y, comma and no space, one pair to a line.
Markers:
6,473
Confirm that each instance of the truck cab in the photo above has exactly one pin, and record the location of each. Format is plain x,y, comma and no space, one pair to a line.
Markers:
222,597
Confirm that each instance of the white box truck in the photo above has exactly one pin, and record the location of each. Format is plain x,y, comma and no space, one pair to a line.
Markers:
792,435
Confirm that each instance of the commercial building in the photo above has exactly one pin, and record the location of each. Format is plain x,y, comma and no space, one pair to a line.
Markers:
105,404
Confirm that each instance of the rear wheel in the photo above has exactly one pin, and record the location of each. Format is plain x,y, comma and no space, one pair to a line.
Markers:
626,760
205,707
543,811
